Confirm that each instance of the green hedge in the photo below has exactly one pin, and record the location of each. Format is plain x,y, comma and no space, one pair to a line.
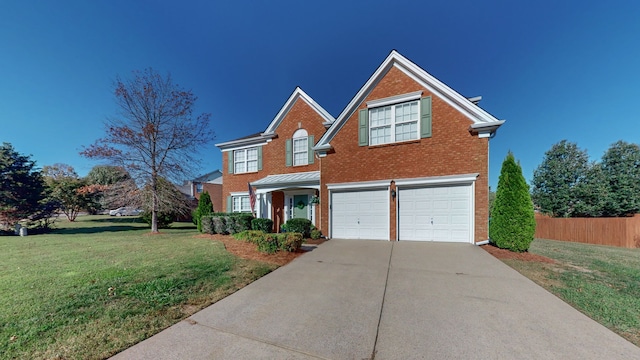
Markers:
298,225
265,225
271,243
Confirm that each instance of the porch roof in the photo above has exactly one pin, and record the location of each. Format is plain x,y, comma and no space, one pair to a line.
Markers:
282,181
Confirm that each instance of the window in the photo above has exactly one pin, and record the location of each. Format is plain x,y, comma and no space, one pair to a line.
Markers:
245,160
394,123
198,188
241,204
301,151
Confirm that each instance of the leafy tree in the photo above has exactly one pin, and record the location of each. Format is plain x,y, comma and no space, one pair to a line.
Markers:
621,167
105,184
205,207
65,187
513,224
155,135
591,193
555,180
22,189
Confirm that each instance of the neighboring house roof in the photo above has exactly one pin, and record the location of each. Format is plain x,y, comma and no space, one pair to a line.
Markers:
288,180
269,133
482,122
210,178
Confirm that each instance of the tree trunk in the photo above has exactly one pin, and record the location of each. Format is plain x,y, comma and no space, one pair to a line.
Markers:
154,207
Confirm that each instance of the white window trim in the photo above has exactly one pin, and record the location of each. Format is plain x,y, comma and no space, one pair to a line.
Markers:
233,202
392,125
245,161
306,151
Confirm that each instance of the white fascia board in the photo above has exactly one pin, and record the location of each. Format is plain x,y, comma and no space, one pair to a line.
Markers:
297,93
246,193
240,147
237,144
395,99
438,180
360,185
264,190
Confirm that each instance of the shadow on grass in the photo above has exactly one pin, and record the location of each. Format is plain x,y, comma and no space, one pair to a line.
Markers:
97,229
117,219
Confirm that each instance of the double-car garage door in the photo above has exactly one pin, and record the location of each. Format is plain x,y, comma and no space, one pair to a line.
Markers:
426,213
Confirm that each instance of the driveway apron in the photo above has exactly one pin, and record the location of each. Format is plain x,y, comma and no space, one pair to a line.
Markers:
358,299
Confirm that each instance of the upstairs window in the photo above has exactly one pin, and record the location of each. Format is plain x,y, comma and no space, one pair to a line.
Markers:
198,188
395,119
299,149
394,123
245,160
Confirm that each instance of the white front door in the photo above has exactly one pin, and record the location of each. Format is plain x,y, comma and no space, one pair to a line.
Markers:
360,214
436,213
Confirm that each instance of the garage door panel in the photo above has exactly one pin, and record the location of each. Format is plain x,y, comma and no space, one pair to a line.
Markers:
360,214
436,213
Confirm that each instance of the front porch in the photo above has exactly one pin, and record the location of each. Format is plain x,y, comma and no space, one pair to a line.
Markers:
287,196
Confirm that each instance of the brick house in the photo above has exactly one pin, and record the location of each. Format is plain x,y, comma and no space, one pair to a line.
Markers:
211,183
407,159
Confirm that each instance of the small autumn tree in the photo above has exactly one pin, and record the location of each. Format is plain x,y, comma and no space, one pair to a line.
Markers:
513,223
155,135
65,188
205,207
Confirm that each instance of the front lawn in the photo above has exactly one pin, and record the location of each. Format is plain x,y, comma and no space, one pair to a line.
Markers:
603,282
97,286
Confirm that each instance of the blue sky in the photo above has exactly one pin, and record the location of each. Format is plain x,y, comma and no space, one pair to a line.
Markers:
553,69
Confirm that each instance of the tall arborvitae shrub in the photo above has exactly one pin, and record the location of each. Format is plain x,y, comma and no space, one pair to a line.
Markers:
205,207
513,224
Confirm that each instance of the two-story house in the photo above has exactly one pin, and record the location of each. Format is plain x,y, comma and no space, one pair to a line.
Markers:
407,159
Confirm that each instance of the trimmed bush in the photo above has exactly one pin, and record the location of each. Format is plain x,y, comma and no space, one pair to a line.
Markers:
206,222
513,223
315,234
290,242
219,224
242,222
299,225
268,243
252,236
265,225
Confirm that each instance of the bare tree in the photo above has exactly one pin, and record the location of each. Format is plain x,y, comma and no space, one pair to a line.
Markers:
155,134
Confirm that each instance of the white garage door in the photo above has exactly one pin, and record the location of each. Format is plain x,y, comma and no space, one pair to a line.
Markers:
360,215
435,213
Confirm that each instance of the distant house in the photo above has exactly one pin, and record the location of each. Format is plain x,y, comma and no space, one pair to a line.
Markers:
407,159
211,183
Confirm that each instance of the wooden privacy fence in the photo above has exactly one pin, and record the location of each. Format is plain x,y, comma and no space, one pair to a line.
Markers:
621,231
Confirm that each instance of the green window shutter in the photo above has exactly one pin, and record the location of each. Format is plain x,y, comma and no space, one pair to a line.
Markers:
311,154
425,117
229,204
259,158
289,153
230,161
363,127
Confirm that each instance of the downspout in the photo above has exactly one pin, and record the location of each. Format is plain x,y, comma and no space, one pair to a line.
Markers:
485,242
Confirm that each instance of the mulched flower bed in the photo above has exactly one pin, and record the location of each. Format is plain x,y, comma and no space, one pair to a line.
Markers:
524,256
250,251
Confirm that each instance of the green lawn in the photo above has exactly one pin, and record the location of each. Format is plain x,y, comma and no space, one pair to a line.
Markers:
97,286
601,281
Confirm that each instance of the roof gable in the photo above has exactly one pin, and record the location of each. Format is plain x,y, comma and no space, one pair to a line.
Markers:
481,119
298,93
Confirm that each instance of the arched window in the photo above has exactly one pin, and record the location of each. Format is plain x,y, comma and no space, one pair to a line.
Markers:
300,147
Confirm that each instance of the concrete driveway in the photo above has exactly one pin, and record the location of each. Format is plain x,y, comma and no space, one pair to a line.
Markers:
354,299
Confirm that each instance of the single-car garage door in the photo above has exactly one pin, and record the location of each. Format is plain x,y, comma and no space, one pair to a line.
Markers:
360,214
436,213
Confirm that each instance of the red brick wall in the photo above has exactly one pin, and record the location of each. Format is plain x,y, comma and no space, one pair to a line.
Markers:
274,153
450,150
